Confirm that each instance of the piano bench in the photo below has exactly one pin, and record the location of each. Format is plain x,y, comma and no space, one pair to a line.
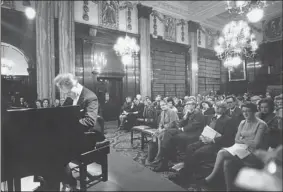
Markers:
97,155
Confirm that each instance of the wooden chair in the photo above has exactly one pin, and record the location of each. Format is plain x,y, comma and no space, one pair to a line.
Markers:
148,125
98,155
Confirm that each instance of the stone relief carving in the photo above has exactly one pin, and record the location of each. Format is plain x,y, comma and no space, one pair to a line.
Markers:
156,15
129,6
182,23
170,28
272,29
199,37
109,14
85,11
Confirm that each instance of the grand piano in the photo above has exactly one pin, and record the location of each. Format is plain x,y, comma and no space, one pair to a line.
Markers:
39,142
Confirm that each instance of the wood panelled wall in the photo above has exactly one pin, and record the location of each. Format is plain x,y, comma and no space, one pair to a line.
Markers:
169,64
210,77
103,41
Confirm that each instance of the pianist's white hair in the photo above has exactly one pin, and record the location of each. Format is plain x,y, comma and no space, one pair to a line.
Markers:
65,79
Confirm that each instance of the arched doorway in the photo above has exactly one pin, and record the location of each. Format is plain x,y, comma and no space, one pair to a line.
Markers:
17,73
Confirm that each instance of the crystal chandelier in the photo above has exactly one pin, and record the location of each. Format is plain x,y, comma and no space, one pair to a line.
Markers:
237,41
126,46
252,8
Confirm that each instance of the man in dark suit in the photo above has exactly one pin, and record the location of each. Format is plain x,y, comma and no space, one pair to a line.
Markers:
233,111
190,128
206,148
88,102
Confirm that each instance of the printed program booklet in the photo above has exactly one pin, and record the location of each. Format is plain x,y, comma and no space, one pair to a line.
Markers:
210,133
241,150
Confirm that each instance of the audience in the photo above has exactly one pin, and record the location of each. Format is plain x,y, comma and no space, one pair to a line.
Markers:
56,103
206,148
266,114
45,103
170,103
38,104
126,114
258,119
206,108
251,132
166,125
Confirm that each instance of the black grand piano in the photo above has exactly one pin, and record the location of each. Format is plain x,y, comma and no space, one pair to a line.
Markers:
40,142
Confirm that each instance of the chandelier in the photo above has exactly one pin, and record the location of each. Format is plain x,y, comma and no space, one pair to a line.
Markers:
126,46
237,41
252,8
99,61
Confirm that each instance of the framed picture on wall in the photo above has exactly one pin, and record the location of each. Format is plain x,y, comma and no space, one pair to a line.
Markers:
238,73
109,14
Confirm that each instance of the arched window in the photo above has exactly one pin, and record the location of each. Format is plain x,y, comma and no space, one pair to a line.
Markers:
13,61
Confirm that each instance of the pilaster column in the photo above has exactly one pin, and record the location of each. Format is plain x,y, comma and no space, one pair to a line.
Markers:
45,50
66,37
192,29
145,59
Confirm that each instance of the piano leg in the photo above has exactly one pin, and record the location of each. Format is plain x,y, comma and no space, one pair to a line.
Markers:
10,183
104,167
83,174
17,183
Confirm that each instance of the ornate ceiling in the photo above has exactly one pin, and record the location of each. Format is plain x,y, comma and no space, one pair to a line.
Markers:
208,13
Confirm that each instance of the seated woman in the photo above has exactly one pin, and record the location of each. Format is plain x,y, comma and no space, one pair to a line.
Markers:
45,103
206,108
170,103
167,123
266,107
206,148
149,113
127,108
250,134
38,104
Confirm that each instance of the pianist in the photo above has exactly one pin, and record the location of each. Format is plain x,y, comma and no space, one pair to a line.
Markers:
88,102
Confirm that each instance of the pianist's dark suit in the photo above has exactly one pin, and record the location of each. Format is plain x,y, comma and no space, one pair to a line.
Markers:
88,103
200,152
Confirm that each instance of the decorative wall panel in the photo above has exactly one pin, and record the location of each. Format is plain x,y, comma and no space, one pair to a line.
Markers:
169,28
109,14
272,29
118,15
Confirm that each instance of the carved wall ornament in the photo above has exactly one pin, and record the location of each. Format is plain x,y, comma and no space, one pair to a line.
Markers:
129,6
109,14
154,26
272,29
182,23
199,37
85,10
8,4
169,28
160,17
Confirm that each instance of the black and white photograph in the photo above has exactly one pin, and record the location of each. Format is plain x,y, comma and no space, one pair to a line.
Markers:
141,95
